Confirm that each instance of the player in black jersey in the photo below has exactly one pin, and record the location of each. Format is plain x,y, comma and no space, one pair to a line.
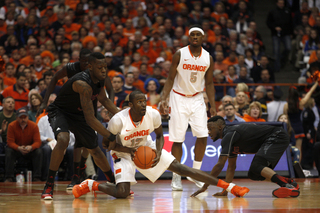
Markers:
80,155
73,110
268,143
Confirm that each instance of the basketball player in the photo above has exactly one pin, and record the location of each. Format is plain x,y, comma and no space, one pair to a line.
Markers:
73,110
134,125
69,70
191,70
267,142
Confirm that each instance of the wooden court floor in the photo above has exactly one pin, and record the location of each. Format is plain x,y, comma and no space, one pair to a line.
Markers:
158,197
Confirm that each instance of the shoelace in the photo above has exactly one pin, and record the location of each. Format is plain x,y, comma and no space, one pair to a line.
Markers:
48,190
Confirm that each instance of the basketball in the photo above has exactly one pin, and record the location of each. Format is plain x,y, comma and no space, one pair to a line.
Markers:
143,157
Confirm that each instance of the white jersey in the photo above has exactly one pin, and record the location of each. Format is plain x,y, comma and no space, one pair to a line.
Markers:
131,134
191,71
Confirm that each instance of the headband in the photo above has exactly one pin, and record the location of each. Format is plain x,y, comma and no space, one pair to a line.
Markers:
196,29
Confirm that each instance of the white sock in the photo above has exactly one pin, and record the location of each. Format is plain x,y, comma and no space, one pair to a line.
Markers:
197,164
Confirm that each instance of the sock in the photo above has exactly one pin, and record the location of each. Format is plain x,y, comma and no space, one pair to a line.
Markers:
110,176
83,162
76,168
279,180
197,164
51,176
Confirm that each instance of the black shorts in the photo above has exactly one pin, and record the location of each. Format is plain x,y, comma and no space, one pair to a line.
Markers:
63,122
274,147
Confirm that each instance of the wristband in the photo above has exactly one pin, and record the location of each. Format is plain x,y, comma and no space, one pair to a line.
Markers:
112,137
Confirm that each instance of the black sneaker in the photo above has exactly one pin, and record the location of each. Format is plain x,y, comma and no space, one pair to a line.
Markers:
83,174
47,193
74,181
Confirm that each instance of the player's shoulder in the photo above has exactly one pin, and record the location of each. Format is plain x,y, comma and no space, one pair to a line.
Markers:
152,110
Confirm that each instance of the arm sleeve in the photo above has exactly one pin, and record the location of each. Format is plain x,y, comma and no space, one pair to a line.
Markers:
11,142
115,125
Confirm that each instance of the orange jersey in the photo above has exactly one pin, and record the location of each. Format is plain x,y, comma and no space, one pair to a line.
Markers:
28,60
248,118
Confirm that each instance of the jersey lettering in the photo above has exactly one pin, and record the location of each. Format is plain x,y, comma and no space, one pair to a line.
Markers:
194,67
137,134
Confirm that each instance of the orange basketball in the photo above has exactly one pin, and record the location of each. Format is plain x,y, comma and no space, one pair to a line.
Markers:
144,156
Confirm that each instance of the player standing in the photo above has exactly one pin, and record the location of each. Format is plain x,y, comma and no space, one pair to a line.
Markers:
191,70
73,110
134,126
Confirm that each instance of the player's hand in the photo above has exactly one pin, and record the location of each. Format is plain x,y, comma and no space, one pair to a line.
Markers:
203,189
41,108
164,108
213,111
223,193
133,152
111,146
157,158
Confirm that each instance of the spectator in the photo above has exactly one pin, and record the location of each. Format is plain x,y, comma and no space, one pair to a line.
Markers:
171,14
29,59
249,60
9,75
164,36
156,43
153,97
279,22
35,102
219,78
23,140
232,59
260,94
241,104
7,115
232,75
157,75
18,91
128,85
254,113
243,76
227,99
275,107
145,50
47,76
143,72
38,66
312,43
127,67
230,114
120,94
256,71
219,64
265,79
241,63
243,45
137,83
41,86
295,152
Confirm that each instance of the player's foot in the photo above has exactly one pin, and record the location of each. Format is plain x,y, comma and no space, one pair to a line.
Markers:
131,193
294,183
47,193
287,191
198,183
176,182
74,181
239,191
83,174
85,187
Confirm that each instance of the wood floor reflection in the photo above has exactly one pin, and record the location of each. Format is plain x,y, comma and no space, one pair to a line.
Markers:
158,197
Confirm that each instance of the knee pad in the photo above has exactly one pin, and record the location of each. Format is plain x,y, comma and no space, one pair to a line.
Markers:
258,163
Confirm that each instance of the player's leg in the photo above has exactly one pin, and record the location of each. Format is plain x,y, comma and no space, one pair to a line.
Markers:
198,123
178,125
202,176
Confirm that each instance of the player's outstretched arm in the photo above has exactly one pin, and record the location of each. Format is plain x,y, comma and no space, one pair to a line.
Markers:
107,103
85,92
210,87
57,76
214,172
169,83
109,88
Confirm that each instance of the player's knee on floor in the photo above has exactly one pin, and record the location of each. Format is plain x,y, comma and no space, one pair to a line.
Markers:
257,165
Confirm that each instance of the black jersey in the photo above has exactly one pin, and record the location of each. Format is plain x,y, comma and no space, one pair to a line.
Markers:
73,68
245,138
69,101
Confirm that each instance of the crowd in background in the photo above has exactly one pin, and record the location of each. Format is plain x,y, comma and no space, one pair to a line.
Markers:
139,38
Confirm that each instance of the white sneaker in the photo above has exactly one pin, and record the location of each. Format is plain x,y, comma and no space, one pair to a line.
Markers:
198,183
176,182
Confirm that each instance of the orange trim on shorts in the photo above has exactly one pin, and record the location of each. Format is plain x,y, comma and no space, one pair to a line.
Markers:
188,96
302,135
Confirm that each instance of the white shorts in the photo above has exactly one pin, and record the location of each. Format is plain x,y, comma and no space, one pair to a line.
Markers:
125,169
184,111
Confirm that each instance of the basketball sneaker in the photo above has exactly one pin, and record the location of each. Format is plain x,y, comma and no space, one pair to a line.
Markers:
74,181
238,191
294,183
176,182
198,183
287,190
85,187
83,174
47,193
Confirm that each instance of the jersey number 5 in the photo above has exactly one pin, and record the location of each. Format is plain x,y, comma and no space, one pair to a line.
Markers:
193,77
